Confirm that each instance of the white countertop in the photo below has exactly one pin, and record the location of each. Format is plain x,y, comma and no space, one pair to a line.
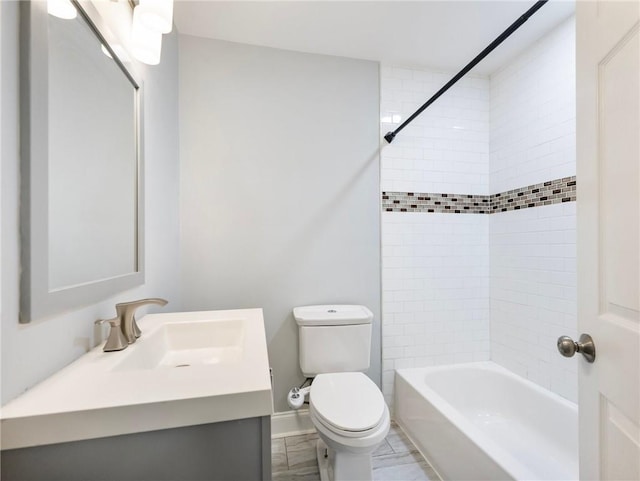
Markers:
89,399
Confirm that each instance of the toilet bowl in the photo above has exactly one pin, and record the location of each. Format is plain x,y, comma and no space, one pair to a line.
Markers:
345,406
351,417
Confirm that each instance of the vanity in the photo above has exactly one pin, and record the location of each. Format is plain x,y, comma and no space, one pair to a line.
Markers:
189,400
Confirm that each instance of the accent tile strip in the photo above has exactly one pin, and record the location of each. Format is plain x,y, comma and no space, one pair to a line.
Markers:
547,193
552,192
441,203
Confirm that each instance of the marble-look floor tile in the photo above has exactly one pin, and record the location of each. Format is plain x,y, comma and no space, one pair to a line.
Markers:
396,459
383,448
395,428
406,472
303,474
399,441
278,455
301,451
293,441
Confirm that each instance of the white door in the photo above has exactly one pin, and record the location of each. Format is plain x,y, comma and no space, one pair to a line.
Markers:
608,153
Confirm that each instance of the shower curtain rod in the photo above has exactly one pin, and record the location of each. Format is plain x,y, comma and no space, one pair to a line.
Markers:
389,136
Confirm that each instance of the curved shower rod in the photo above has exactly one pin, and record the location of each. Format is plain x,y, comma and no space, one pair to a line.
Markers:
389,136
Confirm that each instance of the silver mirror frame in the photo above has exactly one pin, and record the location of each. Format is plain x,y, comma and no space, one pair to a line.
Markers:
37,301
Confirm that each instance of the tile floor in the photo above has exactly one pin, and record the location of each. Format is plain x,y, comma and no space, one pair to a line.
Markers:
293,458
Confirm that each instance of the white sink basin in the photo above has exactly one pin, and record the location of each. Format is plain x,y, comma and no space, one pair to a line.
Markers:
187,344
188,368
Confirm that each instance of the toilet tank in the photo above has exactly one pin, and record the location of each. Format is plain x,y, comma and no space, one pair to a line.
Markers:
333,338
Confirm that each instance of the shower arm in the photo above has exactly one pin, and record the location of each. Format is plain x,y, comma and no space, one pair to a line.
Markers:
389,136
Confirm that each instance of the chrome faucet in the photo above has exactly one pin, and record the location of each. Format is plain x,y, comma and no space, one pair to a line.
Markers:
126,311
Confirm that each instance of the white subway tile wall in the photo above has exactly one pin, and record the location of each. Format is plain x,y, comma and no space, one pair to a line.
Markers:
446,148
533,114
532,251
533,293
460,288
435,266
435,299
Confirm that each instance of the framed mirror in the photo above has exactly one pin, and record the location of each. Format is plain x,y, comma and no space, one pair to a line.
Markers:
81,192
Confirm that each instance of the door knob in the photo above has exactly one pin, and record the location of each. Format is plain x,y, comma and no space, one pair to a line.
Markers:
585,346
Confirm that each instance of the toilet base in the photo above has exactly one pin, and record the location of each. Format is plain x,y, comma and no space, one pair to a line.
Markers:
322,453
342,466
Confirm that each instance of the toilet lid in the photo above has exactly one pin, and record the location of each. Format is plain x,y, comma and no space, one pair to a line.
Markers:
348,401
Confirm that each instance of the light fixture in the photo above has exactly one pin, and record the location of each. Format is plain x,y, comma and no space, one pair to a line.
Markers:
146,44
61,9
156,15
120,52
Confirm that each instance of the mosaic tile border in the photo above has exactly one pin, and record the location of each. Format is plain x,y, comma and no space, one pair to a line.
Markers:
440,203
552,192
546,193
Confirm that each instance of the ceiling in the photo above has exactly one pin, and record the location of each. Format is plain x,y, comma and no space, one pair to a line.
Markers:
437,34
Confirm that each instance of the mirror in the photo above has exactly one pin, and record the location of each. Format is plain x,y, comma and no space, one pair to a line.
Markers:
81,189
92,159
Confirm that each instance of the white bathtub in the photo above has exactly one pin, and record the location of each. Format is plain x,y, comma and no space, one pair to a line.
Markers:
479,421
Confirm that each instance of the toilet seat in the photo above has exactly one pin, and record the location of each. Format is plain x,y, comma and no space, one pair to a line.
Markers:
347,403
341,432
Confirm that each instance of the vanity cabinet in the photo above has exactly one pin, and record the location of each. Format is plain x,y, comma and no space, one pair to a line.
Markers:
190,400
238,450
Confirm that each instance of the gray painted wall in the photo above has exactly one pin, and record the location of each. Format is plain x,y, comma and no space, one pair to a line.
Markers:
279,187
31,353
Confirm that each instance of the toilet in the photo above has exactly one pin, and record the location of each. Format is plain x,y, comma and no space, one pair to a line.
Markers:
345,406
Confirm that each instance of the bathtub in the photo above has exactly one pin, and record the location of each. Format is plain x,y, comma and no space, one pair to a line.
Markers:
479,421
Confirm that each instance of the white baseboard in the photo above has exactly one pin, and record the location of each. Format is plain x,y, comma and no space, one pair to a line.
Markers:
291,423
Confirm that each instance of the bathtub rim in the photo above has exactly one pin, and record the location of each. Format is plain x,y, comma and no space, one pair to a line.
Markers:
505,460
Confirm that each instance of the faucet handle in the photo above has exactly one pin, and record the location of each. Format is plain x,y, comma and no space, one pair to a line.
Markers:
142,302
116,340
127,310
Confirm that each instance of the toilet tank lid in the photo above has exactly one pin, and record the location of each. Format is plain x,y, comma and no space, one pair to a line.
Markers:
332,315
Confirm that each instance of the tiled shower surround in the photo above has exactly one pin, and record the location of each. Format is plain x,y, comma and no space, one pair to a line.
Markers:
435,267
498,284
533,251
